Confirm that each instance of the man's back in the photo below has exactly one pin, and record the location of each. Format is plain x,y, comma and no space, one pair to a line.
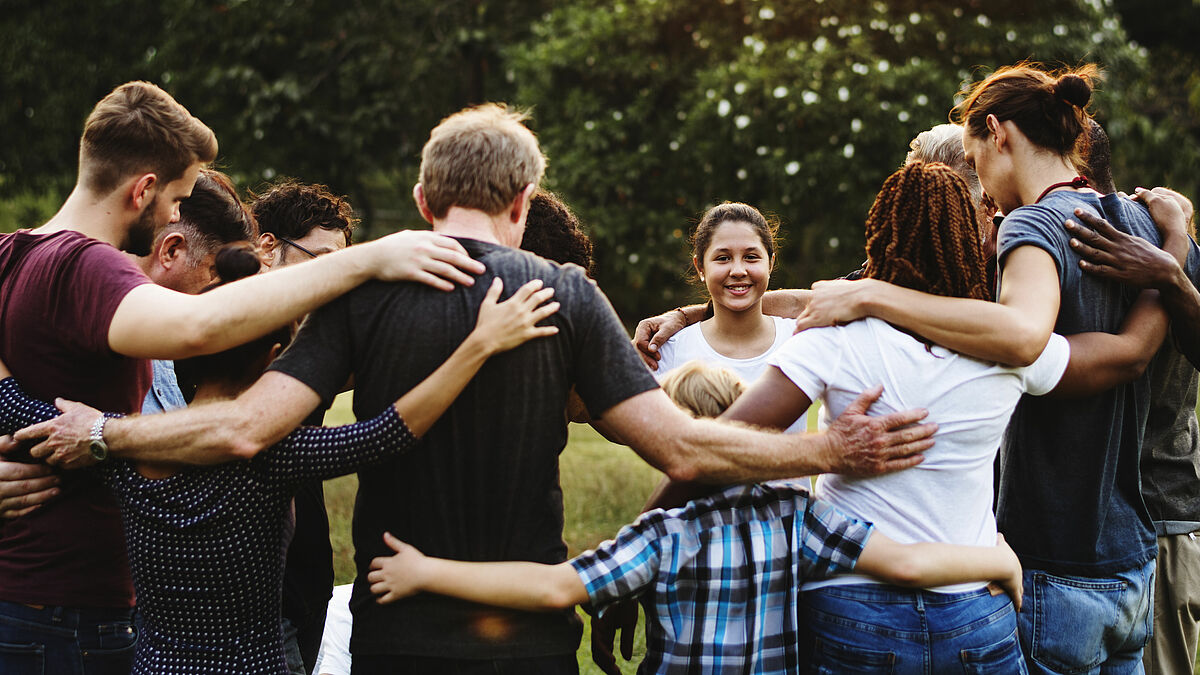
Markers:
483,483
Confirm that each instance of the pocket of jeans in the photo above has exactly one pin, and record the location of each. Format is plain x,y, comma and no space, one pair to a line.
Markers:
116,636
1001,658
22,659
1070,619
831,658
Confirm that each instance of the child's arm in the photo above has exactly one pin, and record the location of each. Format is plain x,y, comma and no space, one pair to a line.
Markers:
929,564
517,585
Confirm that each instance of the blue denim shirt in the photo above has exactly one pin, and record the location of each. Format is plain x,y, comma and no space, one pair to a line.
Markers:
164,391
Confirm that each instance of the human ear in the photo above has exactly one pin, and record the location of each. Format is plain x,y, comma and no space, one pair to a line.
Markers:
520,204
422,205
172,248
268,249
142,190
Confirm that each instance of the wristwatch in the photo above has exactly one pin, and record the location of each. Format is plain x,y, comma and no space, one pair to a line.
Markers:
98,447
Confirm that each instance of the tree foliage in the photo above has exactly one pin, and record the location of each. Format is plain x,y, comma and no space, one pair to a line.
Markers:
650,110
655,109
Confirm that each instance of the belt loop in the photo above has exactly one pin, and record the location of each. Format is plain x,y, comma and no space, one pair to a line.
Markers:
56,616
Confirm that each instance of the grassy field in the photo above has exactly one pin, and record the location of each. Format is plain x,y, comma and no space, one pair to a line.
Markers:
604,487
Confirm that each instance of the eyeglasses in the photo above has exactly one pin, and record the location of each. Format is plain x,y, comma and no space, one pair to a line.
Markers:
293,244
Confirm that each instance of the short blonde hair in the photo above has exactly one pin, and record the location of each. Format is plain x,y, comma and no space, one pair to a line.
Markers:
703,390
140,128
479,158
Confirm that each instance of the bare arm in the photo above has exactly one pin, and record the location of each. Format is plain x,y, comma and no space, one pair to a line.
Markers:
931,564
1101,361
696,449
153,322
1013,330
274,405
517,585
653,333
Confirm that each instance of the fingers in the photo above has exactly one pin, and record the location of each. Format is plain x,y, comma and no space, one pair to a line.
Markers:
526,290
392,542
899,420
863,403
449,250
494,291
545,311
449,272
627,633
39,430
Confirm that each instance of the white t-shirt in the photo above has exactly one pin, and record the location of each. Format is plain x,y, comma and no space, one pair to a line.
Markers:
948,497
334,657
689,345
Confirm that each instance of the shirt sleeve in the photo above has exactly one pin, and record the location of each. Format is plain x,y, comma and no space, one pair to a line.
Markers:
327,452
828,541
623,567
1043,375
99,280
1038,226
607,366
19,410
321,355
810,359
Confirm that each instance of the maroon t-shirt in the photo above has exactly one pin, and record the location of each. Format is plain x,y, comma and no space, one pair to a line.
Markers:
58,294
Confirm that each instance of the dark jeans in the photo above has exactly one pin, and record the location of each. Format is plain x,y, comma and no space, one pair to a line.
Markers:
65,641
422,665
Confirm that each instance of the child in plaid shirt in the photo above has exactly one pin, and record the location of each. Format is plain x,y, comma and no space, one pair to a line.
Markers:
719,577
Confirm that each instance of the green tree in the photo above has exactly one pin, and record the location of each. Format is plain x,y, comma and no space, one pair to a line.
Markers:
655,109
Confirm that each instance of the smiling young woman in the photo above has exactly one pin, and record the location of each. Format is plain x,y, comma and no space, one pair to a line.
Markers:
733,252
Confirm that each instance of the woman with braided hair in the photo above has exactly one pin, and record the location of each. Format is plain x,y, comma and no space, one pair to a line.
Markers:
1069,498
922,236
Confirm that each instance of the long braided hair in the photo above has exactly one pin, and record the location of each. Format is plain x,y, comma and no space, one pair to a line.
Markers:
922,234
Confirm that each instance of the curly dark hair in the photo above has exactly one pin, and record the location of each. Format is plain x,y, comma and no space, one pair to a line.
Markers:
553,232
290,210
922,234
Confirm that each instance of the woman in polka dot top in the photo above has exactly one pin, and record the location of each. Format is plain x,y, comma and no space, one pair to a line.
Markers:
207,544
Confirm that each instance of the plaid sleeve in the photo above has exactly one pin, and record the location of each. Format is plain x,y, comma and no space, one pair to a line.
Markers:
828,541
623,567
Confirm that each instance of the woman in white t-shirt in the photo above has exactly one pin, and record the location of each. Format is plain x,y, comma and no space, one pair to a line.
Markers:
733,252
921,234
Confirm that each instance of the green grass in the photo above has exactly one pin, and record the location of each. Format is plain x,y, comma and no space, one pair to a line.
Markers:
604,487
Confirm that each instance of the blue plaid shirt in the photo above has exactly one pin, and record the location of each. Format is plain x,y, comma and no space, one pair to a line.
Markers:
719,577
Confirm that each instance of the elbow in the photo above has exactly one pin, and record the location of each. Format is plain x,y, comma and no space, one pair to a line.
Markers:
904,570
682,471
244,448
556,597
1028,344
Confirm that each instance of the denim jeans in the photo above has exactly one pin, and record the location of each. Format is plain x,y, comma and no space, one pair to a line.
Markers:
65,641
1086,625
866,628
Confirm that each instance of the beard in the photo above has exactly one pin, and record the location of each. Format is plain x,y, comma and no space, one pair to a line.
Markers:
140,239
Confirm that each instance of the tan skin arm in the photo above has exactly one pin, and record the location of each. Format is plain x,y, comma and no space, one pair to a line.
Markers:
537,587
653,333
274,405
1013,330
154,322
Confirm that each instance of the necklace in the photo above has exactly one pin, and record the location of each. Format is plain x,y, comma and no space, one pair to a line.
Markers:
1076,182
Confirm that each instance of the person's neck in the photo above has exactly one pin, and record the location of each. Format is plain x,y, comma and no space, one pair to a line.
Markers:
217,391
97,217
475,224
745,325
1040,171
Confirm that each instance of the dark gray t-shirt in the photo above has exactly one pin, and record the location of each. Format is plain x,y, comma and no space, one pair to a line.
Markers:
483,482
1070,497
1171,448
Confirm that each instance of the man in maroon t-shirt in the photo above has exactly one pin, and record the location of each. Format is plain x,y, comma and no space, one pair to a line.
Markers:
78,319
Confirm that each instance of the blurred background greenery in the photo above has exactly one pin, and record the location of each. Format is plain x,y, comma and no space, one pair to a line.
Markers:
650,110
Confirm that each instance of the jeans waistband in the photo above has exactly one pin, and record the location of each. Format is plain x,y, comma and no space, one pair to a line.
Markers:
897,595
65,617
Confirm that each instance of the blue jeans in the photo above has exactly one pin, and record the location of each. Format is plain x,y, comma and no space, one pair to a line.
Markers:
867,628
65,641
1084,624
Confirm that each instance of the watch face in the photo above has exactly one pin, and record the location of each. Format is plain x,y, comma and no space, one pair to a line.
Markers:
99,450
